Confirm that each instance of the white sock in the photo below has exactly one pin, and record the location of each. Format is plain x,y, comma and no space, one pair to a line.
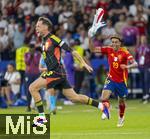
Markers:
100,106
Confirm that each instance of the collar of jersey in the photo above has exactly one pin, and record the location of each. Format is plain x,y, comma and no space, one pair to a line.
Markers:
46,37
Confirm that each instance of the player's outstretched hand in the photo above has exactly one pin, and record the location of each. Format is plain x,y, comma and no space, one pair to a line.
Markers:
97,23
89,68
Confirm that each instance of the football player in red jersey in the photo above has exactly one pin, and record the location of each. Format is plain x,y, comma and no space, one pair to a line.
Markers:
120,60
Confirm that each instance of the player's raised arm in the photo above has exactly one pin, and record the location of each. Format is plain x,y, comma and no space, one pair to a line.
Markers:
97,24
92,48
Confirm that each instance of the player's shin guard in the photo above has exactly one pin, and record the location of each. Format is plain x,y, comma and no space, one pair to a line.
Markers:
98,104
39,106
122,107
41,119
93,102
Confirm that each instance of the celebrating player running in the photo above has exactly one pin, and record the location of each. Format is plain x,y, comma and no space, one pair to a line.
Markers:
55,76
120,60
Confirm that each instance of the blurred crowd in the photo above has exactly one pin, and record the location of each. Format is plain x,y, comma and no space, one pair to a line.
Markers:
71,20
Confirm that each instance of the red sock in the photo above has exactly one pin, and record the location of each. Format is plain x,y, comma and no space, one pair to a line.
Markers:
122,107
106,103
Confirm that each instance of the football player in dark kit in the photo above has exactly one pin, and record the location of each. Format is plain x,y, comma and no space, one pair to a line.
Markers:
55,76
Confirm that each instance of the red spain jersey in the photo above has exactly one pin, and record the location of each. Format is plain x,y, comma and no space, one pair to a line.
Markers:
115,59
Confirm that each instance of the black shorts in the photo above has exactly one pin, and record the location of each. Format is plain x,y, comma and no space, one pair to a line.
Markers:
56,80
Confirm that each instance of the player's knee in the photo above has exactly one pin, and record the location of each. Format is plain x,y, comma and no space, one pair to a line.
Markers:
103,99
105,95
121,101
32,88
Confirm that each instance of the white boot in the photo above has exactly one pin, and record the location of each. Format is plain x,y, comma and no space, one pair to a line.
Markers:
120,122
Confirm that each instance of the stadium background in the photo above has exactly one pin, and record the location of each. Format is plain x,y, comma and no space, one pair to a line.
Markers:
71,20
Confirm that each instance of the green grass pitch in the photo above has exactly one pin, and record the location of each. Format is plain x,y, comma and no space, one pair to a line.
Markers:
84,122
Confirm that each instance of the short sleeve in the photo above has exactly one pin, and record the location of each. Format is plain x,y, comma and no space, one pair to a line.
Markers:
129,56
58,42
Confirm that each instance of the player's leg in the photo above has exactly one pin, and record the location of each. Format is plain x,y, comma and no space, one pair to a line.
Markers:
52,100
34,90
107,90
122,93
105,100
74,97
122,107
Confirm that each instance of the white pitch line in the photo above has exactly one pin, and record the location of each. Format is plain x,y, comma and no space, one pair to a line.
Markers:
92,133
90,110
16,135
70,111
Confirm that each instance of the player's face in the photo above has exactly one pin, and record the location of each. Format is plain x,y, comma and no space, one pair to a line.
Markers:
116,43
40,27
